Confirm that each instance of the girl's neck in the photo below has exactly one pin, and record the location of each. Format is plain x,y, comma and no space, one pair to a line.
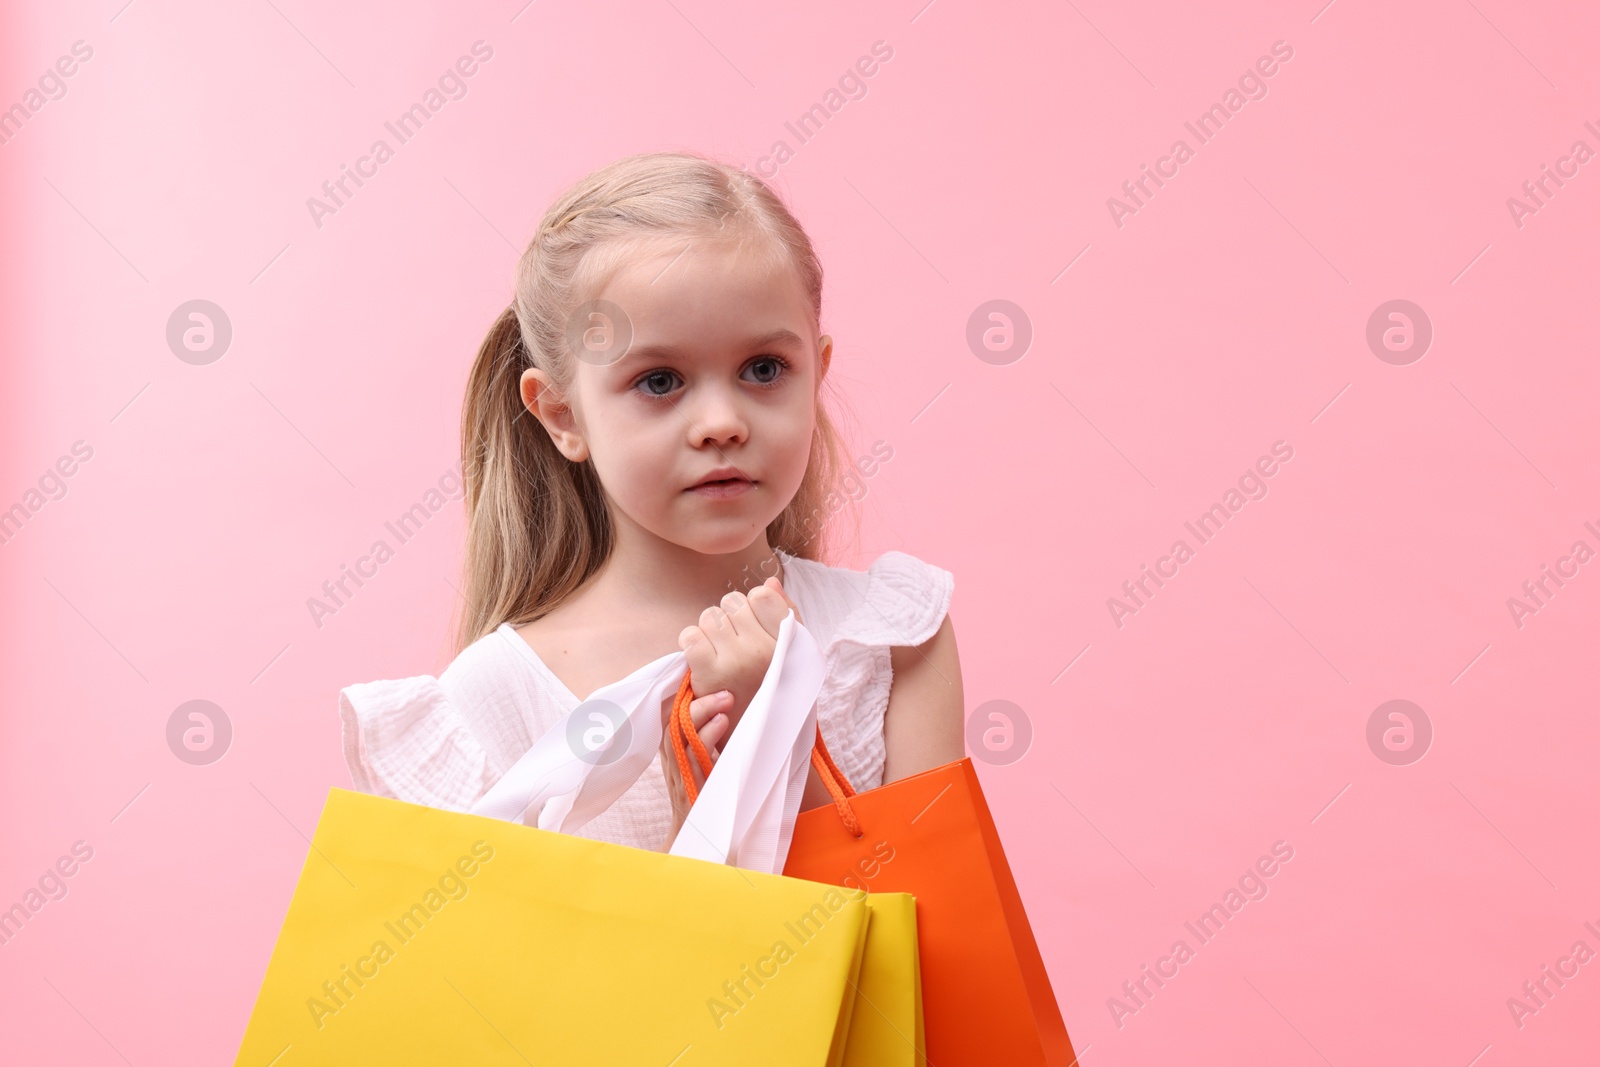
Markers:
647,574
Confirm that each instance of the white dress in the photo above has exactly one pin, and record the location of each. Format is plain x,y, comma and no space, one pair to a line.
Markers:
445,741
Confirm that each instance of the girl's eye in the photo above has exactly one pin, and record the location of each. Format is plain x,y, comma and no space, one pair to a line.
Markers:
777,364
657,376
769,372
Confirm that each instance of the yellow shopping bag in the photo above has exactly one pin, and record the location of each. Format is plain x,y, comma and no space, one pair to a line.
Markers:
886,1021
419,935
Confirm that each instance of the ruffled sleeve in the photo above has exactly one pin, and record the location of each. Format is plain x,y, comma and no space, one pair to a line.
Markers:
903,601
406,740
857,618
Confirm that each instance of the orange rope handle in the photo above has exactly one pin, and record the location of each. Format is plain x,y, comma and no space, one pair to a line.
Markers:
821,749
839,786
680,725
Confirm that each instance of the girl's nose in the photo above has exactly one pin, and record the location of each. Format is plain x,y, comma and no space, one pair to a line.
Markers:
715,415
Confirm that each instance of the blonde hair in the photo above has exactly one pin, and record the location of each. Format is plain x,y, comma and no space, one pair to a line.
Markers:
537,523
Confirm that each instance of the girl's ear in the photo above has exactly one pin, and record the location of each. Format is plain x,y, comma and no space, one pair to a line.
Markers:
825,353
545,403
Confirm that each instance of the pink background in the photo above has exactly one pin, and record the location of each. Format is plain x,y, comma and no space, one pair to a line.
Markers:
1228,313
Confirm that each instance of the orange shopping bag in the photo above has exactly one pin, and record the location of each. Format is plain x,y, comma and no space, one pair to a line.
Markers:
985,992
985,996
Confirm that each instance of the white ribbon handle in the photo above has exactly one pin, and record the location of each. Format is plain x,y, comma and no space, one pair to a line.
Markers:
745,813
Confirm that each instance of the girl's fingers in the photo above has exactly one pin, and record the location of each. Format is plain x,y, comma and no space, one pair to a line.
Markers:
710,717
702,709
741,614
689,636
713,733
717,628
787,599
769,606
777,587
711,724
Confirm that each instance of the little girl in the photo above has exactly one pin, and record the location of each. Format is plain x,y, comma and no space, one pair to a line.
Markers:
643,431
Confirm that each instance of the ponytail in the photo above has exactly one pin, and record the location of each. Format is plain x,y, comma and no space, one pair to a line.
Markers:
531,520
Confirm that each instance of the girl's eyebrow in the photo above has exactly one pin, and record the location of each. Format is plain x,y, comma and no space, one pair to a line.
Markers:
646,353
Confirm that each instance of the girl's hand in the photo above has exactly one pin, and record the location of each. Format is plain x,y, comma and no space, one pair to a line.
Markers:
731,647
728,653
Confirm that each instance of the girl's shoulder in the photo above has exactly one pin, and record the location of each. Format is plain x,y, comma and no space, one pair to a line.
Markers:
441,740
898,600
489,666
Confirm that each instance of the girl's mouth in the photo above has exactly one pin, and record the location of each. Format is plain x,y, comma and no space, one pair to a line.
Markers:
723,489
